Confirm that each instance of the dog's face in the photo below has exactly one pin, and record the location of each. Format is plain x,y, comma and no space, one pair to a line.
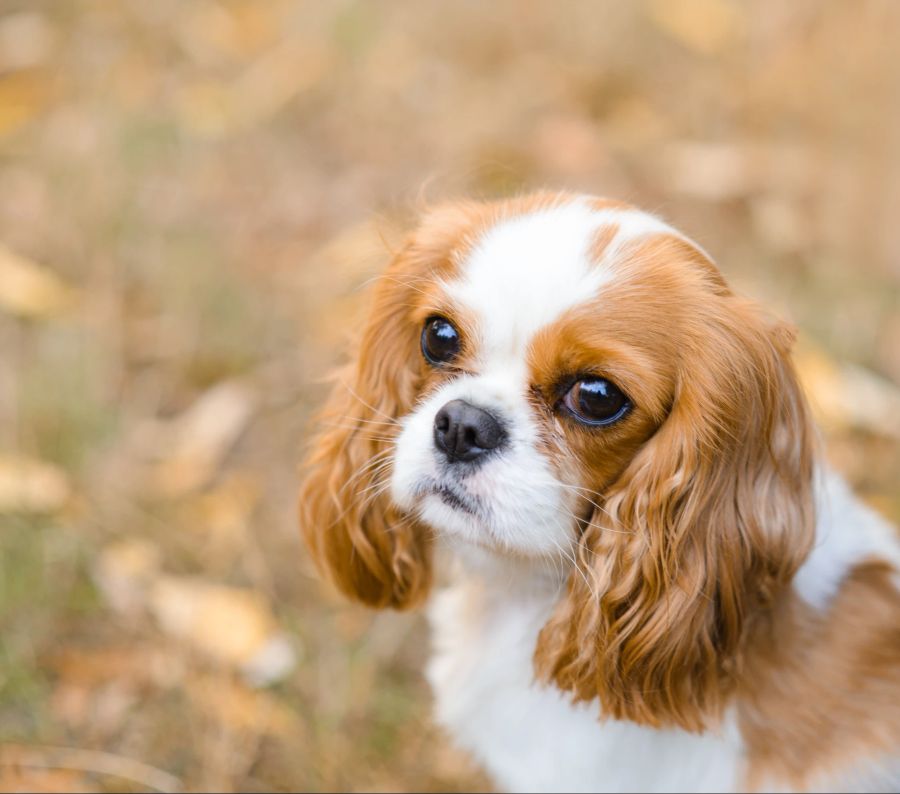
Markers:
541,372
570,378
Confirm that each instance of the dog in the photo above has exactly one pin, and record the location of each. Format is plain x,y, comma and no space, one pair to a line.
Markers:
654,582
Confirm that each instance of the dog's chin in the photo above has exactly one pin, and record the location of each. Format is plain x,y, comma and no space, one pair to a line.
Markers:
455,513
462,519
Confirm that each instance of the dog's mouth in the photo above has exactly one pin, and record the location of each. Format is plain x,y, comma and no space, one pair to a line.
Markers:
453,496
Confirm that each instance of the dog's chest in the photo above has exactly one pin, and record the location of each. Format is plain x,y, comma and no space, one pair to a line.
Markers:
530,737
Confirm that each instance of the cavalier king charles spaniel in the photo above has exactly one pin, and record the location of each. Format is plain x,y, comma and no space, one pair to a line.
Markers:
649,578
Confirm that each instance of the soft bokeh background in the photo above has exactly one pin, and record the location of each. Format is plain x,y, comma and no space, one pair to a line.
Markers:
192,196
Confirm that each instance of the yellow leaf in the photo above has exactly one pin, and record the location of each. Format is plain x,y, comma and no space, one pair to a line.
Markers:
31,486
196,441
237,707
28,289
223,512
704,26
124,570
23,94
234,626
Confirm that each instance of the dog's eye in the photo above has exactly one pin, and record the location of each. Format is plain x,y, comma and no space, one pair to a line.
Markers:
596,401
440,341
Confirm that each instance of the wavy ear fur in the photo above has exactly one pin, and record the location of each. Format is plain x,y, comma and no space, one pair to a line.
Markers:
705,527
356,536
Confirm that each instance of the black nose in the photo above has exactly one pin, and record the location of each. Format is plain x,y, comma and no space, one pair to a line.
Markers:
464,432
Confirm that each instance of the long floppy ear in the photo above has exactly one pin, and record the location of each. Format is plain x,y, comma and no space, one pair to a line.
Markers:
355,534
702,531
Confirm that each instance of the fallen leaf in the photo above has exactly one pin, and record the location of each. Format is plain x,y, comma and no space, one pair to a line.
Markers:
90,667
704,26
239,708
28,289
231,625
212,33
31,486
195,442
23,94
104,708
223,512
124,571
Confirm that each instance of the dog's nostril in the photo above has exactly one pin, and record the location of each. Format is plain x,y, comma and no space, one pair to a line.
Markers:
464,432
442,422
489,434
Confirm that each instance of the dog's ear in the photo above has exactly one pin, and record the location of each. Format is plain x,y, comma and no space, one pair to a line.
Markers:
707,524
371,551
357,537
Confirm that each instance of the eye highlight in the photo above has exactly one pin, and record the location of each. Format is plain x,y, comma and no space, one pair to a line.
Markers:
596,402
440,341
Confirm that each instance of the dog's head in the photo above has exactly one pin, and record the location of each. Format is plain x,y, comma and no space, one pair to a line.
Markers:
567,378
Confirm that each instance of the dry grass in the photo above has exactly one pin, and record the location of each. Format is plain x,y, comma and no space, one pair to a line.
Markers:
207,186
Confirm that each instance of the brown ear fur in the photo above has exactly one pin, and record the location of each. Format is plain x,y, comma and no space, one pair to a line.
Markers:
706,525
357,537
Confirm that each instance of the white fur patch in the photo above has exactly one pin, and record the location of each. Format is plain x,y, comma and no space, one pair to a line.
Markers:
524,273
529,270
532,737
847,533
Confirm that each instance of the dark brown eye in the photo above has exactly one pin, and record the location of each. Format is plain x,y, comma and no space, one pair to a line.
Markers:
440,341
596,401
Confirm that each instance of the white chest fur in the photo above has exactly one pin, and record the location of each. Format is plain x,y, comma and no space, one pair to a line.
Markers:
531,738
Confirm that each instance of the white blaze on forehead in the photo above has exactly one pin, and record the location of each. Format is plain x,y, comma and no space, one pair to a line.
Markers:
525,272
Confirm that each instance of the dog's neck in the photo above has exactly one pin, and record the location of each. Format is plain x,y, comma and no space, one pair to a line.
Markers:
503,577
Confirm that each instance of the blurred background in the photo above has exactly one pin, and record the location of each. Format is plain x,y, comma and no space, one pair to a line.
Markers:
192,197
